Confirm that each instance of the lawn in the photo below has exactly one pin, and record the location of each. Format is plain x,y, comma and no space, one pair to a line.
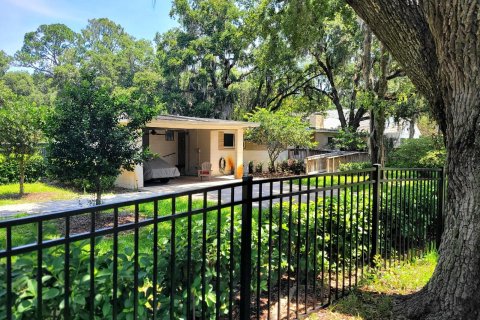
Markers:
372,300
34,192
329,180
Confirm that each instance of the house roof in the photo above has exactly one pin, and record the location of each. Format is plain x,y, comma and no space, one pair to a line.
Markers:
182,122
324,130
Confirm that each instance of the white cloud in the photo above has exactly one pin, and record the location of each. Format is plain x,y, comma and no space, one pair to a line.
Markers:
40,7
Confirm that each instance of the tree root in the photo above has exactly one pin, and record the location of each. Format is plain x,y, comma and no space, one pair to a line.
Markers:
416,306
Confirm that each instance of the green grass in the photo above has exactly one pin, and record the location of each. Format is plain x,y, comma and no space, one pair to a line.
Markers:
34,192
372,300
329,180
26,234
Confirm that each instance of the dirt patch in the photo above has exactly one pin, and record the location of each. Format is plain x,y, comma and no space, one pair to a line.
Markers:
82,223
30,197
270,175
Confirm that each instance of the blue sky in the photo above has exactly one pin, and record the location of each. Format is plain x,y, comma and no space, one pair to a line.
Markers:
140,18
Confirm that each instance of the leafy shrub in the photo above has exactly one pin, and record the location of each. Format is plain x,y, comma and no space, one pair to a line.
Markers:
433,159
292,165
349,140
259,167
250,167
350,166
35,169
107,182
407,217
334,235
424,152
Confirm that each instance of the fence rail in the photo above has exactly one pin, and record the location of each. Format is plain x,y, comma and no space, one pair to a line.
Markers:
331,162
263,249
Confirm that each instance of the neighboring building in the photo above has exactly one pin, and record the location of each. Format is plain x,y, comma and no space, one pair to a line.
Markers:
327,125
187,142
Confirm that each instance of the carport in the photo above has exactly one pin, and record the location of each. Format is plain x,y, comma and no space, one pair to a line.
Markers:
187,142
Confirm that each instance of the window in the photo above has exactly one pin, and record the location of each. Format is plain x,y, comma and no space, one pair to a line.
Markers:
229,140
169,135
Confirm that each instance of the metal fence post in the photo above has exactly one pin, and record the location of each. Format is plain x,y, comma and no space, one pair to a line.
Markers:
375,213
441,207
246,248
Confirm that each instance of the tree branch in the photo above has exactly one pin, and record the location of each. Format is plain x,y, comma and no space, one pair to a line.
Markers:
402,27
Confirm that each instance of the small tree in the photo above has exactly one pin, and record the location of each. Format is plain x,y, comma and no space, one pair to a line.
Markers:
278,131
20,122
349,140
94,132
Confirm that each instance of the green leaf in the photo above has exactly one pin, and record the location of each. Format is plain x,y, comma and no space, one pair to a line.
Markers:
50,293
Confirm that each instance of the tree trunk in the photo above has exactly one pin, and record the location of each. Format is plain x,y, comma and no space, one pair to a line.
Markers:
453,291
411,129
378,108
21,171
437,42
98,191
377,130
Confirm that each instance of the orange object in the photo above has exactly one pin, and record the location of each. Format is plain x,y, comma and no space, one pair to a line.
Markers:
239,172
230,164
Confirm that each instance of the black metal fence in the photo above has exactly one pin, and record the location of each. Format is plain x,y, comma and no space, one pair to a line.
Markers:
266,249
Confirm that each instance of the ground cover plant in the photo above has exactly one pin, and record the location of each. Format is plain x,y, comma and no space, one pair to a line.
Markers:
339,227
372,300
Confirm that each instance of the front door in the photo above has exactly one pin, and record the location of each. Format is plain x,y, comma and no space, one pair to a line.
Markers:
181,151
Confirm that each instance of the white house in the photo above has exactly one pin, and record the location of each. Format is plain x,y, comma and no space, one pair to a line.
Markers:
187,142
326,126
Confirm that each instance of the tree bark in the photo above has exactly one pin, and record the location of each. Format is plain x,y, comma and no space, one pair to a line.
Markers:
21,171
411,129
98,191
377,122
438,44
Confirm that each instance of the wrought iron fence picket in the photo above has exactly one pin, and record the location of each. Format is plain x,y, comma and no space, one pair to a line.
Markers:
295,246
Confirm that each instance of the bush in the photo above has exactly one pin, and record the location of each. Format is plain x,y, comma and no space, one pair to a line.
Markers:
350,166
339,239
434,159
425,152
34,170
292,165
259,167
348,140
250,167
108,183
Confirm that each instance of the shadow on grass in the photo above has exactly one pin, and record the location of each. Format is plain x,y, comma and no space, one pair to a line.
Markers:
363,304
10,196
374,299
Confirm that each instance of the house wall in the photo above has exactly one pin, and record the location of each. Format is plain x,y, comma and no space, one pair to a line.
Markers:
217,151
130,179
167,150
198,149
258,153
322,139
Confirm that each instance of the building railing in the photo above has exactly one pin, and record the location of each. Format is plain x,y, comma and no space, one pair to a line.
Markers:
263,249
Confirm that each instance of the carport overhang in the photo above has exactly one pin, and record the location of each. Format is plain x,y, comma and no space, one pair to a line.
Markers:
181,122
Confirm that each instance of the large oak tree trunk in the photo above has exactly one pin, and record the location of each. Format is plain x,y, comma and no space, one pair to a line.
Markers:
438,43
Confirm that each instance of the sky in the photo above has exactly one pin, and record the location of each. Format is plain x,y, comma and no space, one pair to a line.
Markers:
140,18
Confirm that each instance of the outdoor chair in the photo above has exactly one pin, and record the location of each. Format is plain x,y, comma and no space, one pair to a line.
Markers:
205,171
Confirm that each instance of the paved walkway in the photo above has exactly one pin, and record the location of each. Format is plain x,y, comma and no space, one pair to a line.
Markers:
176,185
